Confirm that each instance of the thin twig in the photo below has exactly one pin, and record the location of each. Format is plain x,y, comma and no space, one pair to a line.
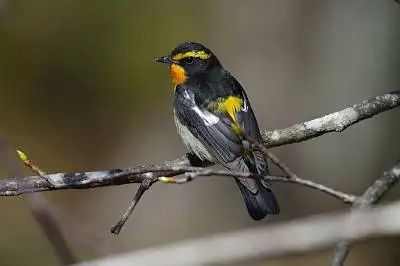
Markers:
372,195
144,186
271,156
84,236
191,175
38,208
34,167
293,178
149,179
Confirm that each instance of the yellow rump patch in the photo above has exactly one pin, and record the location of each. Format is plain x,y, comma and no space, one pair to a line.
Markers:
198,54
229,105
178,74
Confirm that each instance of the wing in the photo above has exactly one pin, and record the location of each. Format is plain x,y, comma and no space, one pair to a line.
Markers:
248,122
214,130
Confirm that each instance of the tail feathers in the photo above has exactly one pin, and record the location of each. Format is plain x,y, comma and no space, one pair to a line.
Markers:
258,197
261,203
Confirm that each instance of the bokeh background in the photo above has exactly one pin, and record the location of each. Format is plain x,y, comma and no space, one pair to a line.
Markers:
79,91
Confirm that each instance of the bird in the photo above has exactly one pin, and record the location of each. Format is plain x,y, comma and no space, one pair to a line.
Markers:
212,112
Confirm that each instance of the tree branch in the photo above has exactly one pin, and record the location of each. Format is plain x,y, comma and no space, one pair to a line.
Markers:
335,122
154,173
148,175
292,237
372,195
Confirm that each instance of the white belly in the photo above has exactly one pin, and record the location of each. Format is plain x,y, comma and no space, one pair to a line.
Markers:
191,143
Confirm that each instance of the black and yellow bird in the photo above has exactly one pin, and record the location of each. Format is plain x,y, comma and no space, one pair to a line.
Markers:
211,109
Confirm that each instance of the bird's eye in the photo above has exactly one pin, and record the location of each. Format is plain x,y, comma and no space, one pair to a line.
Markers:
189,59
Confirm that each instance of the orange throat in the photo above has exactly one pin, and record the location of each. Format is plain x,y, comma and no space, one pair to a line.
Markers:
178,74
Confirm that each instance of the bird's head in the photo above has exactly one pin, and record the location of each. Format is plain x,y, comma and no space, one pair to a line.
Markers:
188,59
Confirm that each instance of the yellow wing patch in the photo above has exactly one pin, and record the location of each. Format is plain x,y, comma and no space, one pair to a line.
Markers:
196,54
229,105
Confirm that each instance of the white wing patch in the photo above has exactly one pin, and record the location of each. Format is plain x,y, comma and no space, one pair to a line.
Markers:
208,118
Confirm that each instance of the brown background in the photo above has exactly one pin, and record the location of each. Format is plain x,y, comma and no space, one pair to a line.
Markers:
79,91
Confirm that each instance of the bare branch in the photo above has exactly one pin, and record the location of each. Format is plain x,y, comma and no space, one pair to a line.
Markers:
153,173
148,175
144,186
335,122
189,164
312,233
189,176
38,206
373,194
190,173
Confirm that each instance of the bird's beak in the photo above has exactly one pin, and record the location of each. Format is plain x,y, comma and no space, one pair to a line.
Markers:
165,59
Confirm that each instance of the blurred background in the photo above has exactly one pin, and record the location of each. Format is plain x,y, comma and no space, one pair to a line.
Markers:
80,91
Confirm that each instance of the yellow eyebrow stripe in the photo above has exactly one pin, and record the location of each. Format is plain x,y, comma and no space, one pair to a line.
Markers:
196,54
